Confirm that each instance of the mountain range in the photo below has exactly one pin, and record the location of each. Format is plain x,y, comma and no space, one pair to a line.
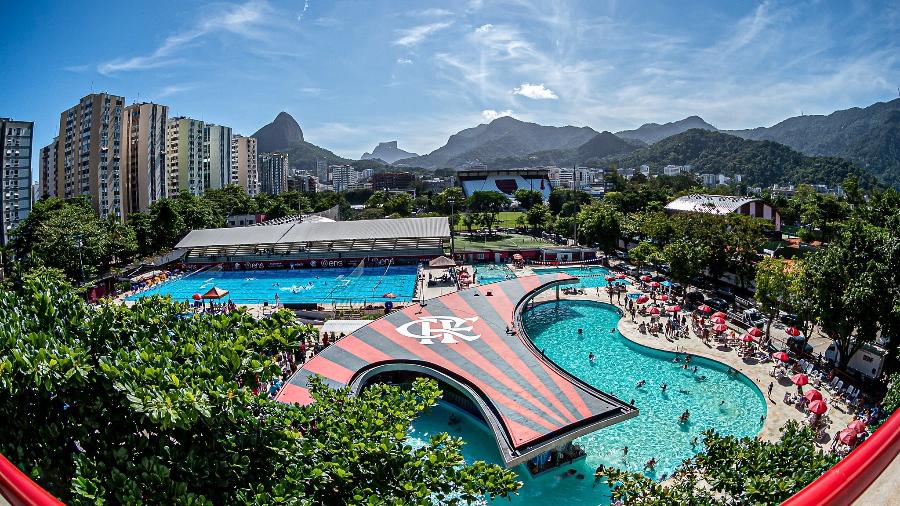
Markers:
648,133
387,152
284,135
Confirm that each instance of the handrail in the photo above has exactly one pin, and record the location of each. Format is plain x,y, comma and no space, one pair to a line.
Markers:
848,479
19,490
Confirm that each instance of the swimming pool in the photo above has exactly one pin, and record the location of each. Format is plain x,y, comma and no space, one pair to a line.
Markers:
301,286
620,364
589,276
492,273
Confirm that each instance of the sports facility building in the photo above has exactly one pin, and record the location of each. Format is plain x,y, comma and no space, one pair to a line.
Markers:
318,244
725,204
505,181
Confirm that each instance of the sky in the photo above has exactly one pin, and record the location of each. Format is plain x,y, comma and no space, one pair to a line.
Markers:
355,73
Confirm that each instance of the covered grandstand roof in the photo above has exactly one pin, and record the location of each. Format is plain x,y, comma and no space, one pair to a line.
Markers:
712,204
318,232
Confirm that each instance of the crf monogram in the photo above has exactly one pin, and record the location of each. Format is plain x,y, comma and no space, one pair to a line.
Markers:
443,327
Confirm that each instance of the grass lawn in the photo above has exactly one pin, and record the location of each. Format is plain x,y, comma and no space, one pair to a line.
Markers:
505,241
505,219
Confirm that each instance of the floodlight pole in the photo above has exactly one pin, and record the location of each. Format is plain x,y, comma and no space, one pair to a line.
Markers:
452,201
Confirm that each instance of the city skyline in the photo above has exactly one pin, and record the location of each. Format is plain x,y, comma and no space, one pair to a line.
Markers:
353,77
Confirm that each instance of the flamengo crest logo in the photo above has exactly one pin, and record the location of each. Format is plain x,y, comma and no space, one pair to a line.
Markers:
443,327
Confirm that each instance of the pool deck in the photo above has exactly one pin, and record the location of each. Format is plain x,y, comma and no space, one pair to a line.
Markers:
778,412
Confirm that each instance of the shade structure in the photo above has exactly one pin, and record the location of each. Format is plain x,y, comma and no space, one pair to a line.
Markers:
704,308
747,338
813,395
517,256
673,309
755,332
645,278
817,407
719,314
793,331
654,310
717,320
800,379
720,327
663,297
610,278
857,425
848,436
655,284
441,261
780,355
620,275
215,293
196,296
642,299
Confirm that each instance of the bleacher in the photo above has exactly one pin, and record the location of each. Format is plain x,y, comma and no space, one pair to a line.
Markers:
505,181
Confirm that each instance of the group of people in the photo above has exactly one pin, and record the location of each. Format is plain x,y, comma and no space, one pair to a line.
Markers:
290,361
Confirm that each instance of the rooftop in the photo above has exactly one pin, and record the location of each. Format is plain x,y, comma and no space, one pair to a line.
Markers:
713,204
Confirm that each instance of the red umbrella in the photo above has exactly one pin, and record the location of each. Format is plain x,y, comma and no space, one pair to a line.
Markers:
196,296
857,425
620,276
663,297
655,284
717,319
793,331
813,395
800,379
704,308
848,436
673,309
645,278
390,295
642,299
610,278
755,332
654,310
719,314
721,327
464,274
818,407
781,356
747,338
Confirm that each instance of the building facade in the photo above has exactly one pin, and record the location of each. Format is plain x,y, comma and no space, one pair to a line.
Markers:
217,144
15,158
244,164
184,156
393,181
273,172
303,182
47,164
143,162
89,153
343,177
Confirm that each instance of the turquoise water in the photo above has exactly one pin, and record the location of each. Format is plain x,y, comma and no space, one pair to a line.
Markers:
300,286
620,364
492,273
589,277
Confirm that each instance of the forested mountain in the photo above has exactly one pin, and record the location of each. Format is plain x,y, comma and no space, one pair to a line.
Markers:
762,163
868,136
599,147
649,133
284,134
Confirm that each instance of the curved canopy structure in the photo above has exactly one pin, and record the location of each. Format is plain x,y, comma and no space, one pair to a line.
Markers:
460,339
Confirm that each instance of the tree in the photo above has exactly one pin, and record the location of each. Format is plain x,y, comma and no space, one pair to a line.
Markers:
645,252
528,198
488,204
470,220
399,204
537,217
599,224
111,404
230,200
775,282
685,258
733,470
743,240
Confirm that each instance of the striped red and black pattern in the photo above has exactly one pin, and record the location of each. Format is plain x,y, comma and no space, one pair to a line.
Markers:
535,402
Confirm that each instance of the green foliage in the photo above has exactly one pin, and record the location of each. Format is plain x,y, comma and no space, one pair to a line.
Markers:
599,224
645,252
487,204
528,198
146,405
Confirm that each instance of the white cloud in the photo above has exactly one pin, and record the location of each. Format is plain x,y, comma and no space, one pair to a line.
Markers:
489,115
434,13
327,22
404,61
484,28
303,12
175,89
416,34
535,91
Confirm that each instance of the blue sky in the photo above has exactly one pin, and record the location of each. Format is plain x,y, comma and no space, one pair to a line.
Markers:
354,73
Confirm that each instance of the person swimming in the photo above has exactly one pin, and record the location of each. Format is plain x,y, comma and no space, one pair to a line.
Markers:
664,387
591,356
650,464
684,416
580,331
641,383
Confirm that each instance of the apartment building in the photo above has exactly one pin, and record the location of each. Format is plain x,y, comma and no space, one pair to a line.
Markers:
15,159
273,172
185,156
47,167
217,145
343,177
89,152
244,168
144,168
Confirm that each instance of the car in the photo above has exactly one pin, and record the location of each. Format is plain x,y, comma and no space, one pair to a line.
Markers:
755,318
718,304
630,270
787,318
725,294
695,297
622,254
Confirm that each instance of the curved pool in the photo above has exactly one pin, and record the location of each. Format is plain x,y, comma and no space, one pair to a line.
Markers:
716,398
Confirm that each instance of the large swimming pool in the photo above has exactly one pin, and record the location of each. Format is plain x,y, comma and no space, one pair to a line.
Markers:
301,286
731,403
492,273
591,276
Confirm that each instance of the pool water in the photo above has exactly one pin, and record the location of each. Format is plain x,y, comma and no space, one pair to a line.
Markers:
589,276
300,286
620,364
492,273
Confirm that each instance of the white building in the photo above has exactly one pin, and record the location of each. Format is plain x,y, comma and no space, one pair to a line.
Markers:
343,177
185,156
244,164
217,145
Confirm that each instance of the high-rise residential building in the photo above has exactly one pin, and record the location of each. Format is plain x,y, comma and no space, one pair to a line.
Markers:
184,156
244,168
322,170
144,170
48,172
217,145
273,172
392,180
88,158
15,158
343,177
302,181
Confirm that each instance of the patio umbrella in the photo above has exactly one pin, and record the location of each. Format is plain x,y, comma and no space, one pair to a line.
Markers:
620,276
793,331
610,278
857,425
654,284
517,257
642,299
663,297
654,310
645,278
848,436
813,395
215,293
782,356
441,262
817,407
704,308
464,274
747,338
717,319
719,314
755,332
800,379
390,295
721,327
674,309
196,296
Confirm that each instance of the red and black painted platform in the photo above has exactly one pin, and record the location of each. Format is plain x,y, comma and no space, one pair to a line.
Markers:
461,340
